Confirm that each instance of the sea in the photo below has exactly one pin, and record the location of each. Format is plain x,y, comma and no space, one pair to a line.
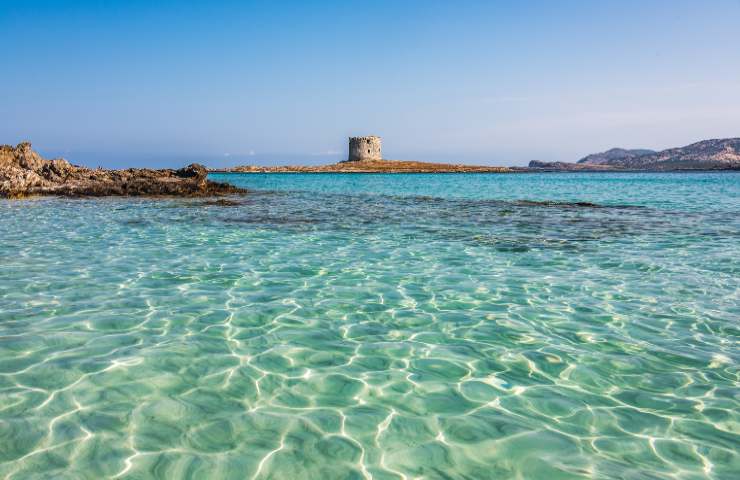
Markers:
376,326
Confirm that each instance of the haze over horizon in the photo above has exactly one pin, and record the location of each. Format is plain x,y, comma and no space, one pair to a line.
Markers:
161,83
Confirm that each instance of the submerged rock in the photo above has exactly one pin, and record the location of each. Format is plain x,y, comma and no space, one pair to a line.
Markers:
24,172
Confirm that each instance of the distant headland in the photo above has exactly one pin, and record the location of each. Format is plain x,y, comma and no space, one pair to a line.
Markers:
717,154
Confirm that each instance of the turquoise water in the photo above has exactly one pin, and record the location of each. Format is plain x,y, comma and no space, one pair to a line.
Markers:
377,326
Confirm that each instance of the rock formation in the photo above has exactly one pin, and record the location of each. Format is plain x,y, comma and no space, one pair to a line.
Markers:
566,166
24,172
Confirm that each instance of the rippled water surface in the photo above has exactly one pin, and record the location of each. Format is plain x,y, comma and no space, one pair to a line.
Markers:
377,326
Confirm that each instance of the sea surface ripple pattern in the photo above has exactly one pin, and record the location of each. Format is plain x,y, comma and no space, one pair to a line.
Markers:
376,327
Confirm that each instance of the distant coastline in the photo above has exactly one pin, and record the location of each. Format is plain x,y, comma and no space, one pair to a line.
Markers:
23,172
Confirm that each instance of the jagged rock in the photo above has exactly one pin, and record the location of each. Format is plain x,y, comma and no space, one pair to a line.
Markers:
550,165
195,170
24,172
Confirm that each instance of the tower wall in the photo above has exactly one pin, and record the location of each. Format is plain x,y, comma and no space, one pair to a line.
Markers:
364,148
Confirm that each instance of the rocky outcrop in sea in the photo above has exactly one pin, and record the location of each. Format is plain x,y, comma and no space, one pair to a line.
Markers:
23,172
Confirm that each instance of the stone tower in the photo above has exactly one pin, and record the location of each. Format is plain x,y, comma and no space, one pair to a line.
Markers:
364,148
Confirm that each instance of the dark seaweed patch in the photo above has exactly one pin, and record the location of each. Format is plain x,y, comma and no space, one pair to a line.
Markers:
556,204
221,202
135,221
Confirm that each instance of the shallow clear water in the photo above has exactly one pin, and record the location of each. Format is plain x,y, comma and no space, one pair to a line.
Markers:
377,326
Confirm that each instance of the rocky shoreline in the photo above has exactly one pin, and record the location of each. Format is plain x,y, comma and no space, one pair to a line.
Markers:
23,173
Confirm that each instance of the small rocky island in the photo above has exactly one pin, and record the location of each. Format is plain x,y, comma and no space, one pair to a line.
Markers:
365,156
373,166
23,172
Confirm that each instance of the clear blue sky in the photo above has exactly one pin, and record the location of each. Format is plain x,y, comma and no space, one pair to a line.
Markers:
118,83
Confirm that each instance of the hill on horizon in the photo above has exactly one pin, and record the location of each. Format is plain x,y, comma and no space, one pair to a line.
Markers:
714,154
614,154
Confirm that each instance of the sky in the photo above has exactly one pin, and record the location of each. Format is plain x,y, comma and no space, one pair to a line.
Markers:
163,83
